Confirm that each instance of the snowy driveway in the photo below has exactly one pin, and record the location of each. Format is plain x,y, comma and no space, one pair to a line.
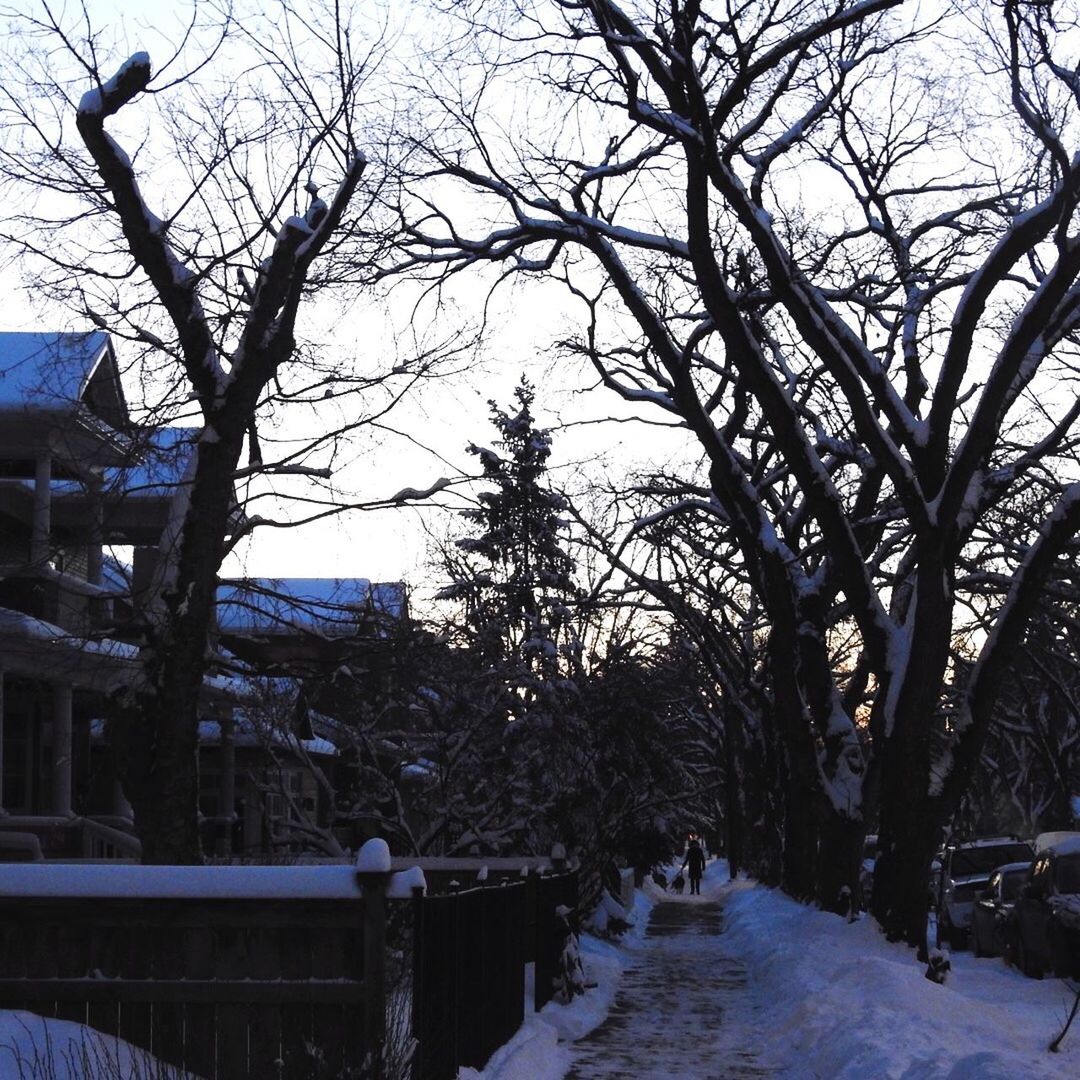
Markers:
681,1007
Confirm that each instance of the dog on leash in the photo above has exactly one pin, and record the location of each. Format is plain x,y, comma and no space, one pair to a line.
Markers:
678,884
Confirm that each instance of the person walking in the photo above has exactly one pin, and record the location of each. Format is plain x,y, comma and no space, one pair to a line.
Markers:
694,865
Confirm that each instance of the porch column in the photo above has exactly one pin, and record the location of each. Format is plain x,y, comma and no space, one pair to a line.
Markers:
61,763
227,790
42,525
94,553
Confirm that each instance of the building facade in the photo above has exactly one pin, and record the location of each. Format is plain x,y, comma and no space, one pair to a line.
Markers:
84,497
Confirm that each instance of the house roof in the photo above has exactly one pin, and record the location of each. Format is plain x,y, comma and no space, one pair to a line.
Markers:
163,457
329,607
55,370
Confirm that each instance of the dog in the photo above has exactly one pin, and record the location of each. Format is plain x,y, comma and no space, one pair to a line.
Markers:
659,879
678,884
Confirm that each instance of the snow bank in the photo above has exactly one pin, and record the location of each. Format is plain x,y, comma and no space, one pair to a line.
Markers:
31,1047
534,1052
839,1001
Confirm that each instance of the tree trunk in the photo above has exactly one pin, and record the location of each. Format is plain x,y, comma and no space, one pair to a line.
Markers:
800,785
161,725
839,860
735,794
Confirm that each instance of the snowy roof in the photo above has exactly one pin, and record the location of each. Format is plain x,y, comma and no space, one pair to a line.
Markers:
327,606
164,455
48,370
115,575
28,627
246,734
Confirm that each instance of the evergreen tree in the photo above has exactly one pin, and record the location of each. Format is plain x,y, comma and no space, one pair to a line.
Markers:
514,577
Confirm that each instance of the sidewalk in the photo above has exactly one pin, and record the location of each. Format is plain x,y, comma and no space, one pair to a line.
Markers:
681,1007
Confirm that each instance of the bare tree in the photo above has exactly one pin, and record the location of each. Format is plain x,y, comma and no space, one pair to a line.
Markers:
180,208
791,230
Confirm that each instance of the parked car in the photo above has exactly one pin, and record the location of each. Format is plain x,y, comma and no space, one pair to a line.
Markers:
965,872
993,926
1048,913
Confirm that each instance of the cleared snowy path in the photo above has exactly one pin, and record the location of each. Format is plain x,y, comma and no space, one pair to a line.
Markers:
681,1007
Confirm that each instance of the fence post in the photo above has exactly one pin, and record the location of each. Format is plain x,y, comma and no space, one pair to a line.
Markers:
373,873
558,857
418,988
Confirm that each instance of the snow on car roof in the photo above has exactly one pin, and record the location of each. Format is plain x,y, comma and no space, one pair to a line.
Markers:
988,841
1047,840
1068,846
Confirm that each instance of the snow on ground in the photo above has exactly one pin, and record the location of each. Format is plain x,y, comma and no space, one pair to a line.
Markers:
825,1000
841,1002
33,1048
540,1049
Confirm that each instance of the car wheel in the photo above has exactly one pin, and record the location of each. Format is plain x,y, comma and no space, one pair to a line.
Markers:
1059,951
954,937
1024,962
1008,952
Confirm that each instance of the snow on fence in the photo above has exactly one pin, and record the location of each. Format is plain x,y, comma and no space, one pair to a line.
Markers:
251,972
229,973
469,961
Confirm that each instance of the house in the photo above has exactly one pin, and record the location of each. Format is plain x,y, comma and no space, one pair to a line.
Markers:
78,479
290,638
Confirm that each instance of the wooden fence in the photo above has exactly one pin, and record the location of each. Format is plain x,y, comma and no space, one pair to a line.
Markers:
228,988
274,973
470,951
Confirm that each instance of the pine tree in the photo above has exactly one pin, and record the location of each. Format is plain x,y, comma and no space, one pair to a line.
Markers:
514,576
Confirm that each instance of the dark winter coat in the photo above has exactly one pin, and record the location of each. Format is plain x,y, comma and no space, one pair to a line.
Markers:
695,861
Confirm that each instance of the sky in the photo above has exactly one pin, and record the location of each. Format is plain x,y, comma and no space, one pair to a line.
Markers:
433,426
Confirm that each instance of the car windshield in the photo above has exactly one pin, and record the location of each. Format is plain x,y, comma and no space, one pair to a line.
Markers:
967,862
1067,874
1012,883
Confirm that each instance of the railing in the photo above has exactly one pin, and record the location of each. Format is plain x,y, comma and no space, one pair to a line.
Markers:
67,838
100,841
20,847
